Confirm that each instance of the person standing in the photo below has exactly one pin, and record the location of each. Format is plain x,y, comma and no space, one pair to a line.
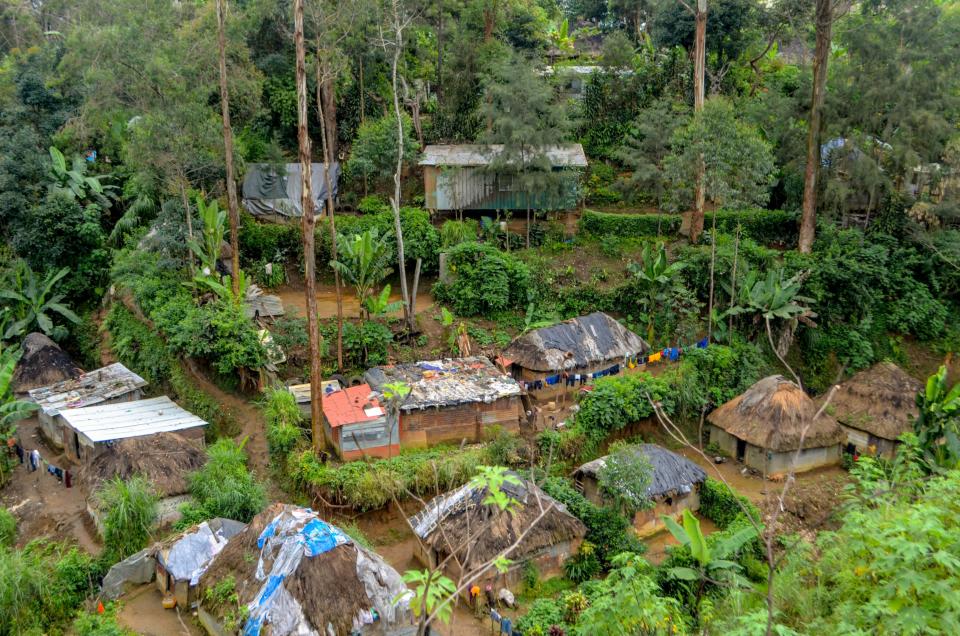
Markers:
34,460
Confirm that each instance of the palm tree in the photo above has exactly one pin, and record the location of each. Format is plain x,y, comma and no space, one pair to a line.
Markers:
30,302
363,261
654,275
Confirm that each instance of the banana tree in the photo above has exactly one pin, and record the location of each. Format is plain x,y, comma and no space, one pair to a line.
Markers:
938,425
208,251
654,275
31,303
75,182
363,261
11,409
711,563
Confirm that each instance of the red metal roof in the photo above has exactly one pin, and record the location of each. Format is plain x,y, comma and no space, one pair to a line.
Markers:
347,406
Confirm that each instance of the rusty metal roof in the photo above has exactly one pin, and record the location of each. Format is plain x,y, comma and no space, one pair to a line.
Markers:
464,155
351,406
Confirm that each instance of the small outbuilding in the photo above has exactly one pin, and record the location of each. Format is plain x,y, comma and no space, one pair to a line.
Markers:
43,363
674,486
451,400
571,352
108,385
92,430
271,192
875,407
296,574
356,425
175,564
447,520
458,177
766,425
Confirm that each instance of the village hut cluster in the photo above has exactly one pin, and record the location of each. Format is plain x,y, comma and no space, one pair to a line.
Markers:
105,427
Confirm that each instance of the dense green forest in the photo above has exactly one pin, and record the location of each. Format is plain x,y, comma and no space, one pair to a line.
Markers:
780,179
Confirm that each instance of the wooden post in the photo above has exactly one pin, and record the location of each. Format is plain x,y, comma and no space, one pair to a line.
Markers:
308,225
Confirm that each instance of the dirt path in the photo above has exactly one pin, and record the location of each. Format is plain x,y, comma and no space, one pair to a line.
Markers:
43,506
143,613
293,297
251,422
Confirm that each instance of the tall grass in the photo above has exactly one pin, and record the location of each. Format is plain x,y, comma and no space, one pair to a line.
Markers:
130,514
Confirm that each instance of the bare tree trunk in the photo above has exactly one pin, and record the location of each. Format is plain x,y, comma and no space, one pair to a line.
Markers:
699,70
232,206
327,162
821,55
439,51
186,210
713,262
309,223
395,199
327,91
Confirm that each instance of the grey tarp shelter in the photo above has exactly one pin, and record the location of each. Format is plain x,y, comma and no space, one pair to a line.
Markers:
272,191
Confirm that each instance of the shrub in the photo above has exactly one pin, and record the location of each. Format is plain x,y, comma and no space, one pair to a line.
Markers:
456,232
269,242
283,423
543,614
420,237
96,624
607,529
719,504
373,204
129,510
707,378
8,528
485,280
633,225
584,565
224,487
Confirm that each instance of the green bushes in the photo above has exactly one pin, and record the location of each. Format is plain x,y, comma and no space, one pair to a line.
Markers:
129,510
618,401
707,378
283,423
420,238
632,225
224,487
269,242
42,586
607,530
456,232
143,350
8,528
720,505
763,226
485,281
368,485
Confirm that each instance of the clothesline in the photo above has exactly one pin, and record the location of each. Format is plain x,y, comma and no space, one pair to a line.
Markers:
671,354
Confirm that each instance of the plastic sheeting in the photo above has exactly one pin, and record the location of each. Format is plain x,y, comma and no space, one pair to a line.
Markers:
189,557
292,535
442,506
274,190
136,569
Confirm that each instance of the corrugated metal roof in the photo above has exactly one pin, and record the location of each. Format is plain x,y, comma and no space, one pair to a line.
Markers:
301,392
91,388
446,382
130,419
351,406
561,156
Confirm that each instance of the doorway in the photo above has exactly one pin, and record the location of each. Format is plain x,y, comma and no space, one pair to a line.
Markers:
741,450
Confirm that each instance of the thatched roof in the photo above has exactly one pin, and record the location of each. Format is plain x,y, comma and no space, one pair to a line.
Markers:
42,363
326,582
462,514
880,400
579,342
671,473
166,459
773,413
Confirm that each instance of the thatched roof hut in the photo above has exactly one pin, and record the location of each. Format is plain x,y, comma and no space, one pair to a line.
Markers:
166,459
580,342
880,400
773,414
43,363
462,514
671,473
300,575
